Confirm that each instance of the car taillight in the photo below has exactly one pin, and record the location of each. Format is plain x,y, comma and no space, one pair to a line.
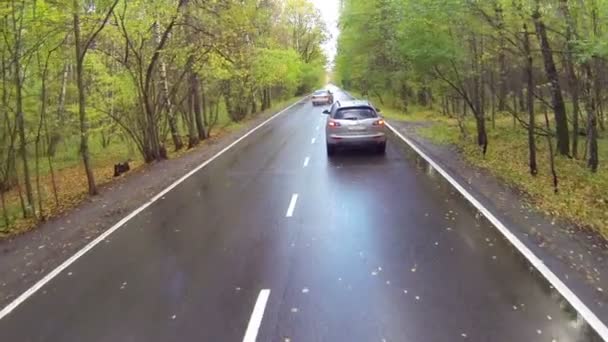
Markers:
379,122
333,123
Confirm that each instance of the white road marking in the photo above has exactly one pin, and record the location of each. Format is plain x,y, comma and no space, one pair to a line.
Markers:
255,321
292,205
306,161
313,140
318,127
570,296
29,292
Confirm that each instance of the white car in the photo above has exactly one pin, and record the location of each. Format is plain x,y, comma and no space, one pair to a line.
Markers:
322,97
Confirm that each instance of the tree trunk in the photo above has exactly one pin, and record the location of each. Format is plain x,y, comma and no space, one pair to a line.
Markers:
37,168
172,119
482,136
49,158
268,99
265,99
529,76
24,207
572,80
599,83
175,135
82,114
197,106
600,71
551,153
214,109
593,161
20,122
502,64
522,99
575,106
477,104
493,99
254,104
56,135
481,82
193,139
559,108
43,101
205,110
154,147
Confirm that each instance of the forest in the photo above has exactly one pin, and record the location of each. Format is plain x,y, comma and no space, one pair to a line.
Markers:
520,86
86,84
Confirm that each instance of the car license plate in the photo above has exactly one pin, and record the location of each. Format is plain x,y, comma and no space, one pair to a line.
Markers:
357,128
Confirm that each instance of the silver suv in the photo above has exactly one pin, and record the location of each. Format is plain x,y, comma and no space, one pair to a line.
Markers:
352,123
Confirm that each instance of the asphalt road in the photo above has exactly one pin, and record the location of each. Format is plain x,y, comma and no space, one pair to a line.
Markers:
357,248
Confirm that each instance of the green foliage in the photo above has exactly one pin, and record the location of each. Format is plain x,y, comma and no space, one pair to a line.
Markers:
277,67
158,72
466,60
577,183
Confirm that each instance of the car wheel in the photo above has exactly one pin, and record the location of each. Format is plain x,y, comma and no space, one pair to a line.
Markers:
331,150
381,148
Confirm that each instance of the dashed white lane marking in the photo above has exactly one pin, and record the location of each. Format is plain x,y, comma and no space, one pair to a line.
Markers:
555,281
256,316
292,205
29,292
313,140
306,161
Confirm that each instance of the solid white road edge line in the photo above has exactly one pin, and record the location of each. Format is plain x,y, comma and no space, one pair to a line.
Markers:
563,289
292,205
306,161
29,292
313,140
255,321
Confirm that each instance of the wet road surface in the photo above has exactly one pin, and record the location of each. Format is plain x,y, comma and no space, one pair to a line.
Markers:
357,248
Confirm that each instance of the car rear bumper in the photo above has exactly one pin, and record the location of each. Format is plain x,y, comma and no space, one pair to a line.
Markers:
368,139
321,101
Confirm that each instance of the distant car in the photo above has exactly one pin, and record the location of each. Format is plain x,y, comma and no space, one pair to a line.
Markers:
352,123
322,97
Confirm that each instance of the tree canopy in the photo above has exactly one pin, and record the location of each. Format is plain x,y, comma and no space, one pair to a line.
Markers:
153,73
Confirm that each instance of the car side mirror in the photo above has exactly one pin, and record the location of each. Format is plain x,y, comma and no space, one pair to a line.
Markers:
326,112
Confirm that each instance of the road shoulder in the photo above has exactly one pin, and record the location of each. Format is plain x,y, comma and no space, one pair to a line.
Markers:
26,258
577,257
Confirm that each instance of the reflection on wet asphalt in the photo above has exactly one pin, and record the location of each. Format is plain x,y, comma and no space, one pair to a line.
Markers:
378,248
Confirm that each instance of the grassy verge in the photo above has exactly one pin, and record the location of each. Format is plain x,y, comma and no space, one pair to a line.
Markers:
582,197
71,180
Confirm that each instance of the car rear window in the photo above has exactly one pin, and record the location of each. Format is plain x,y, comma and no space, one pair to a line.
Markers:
355,114
320,92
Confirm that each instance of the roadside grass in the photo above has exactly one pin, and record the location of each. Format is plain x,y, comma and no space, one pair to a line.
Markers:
583,195
71,180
